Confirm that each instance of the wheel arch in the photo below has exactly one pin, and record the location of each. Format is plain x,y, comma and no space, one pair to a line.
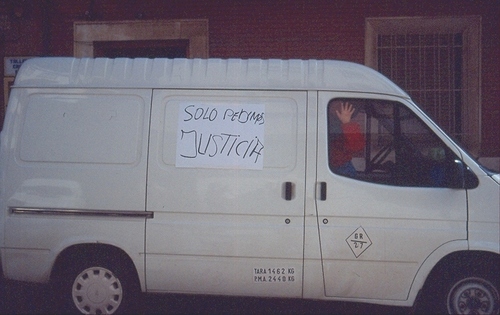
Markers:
477,261
430,263
90,250
460,262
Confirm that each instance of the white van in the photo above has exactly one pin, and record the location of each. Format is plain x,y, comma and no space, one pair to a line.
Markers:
218,177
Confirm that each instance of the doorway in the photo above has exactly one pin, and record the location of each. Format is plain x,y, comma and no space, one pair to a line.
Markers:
142,49
155,38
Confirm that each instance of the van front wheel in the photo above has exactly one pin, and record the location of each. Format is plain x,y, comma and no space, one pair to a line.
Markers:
473,295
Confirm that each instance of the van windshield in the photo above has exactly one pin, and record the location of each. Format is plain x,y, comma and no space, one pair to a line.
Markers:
459,142
487,170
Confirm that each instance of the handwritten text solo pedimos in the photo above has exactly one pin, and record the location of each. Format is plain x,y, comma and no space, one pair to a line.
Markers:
221,136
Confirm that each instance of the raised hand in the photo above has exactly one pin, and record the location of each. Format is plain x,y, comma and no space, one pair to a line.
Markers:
345,112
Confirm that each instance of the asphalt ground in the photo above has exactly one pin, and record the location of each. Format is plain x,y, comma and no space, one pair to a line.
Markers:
21,298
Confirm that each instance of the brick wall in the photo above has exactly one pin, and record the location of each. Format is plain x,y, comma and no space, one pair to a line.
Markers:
317,29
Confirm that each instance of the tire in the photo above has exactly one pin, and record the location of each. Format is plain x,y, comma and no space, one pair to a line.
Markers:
469,294
473,295
463,284
98,287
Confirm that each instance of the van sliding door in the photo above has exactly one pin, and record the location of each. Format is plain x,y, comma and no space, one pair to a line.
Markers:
226,185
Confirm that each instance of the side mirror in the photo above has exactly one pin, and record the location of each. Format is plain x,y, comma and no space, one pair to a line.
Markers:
460,176
470,179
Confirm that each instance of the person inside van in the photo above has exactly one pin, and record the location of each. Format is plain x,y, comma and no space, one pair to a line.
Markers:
345,137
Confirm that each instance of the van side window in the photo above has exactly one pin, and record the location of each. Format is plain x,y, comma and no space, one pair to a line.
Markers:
384,142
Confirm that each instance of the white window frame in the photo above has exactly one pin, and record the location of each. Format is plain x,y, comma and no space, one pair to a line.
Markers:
195,31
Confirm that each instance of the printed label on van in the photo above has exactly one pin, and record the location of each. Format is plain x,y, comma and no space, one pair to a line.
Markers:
358,241
273,275
220,136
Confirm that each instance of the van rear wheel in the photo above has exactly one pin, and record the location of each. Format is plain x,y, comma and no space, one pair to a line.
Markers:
98,287
96,290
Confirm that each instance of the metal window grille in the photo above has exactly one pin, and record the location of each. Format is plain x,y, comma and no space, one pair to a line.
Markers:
429,68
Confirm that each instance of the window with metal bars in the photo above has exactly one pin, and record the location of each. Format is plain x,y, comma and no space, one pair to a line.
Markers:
429,68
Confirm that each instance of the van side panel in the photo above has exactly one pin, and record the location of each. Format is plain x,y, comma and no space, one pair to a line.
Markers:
76,162
484,215
225,226
314,287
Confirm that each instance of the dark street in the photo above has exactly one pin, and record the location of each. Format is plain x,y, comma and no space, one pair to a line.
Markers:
20,298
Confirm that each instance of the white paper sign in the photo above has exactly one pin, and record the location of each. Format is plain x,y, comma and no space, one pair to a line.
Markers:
12,65
220,135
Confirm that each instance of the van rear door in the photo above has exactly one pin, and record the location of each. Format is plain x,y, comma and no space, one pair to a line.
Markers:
226,185
76,162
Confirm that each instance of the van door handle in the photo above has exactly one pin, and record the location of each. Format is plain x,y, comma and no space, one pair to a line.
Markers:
288,190
322,191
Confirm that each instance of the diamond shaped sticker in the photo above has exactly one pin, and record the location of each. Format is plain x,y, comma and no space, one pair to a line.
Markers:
358,241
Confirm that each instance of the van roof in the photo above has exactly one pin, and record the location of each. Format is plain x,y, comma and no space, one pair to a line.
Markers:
269,74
